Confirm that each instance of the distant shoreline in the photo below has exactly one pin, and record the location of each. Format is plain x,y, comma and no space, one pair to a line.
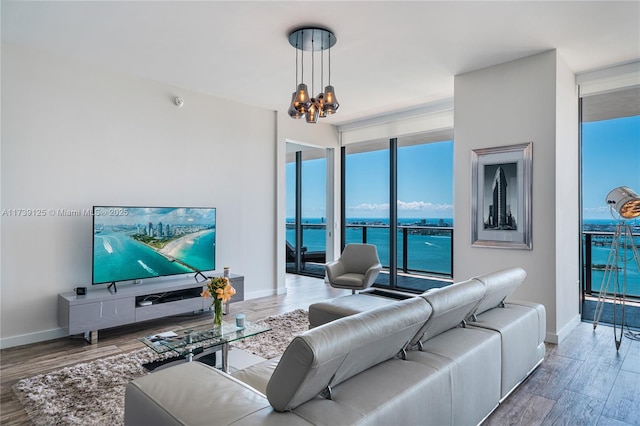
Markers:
173,248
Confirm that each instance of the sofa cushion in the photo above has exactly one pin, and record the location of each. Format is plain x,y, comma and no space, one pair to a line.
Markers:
257,375
451,305
521,345
499,285
327,355
394,392
472,358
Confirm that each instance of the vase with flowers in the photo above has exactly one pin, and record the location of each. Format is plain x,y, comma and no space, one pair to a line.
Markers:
221,290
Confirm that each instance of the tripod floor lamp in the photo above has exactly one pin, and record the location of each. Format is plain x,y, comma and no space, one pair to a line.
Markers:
624,203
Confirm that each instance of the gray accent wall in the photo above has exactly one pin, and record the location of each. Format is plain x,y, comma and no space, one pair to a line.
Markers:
533,99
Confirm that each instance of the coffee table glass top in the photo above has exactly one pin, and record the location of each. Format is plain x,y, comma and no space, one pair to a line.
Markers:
205,336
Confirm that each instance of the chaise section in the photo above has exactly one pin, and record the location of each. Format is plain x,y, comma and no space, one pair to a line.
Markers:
173,396
344,306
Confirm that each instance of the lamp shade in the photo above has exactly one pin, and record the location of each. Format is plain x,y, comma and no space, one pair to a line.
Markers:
331,104
293,112
313,113
624,201
320,105
301,101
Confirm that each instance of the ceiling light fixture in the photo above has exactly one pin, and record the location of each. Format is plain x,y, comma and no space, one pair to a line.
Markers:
325,103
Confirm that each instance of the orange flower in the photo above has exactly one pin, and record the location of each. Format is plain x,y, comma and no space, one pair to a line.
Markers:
220,287
225,293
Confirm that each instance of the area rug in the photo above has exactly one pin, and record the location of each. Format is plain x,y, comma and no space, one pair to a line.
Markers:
283,328
92,393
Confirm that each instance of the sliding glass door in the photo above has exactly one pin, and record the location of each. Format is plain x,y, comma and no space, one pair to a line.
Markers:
306,210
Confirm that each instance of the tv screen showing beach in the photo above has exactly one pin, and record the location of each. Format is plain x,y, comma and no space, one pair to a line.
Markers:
132,243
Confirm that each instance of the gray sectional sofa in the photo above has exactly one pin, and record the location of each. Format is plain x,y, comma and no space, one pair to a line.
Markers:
448,356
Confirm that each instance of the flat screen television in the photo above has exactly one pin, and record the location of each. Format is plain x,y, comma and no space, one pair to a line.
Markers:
134,243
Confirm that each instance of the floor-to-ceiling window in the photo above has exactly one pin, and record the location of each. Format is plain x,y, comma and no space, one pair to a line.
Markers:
610,153
425,207
416,175
306,210
366,196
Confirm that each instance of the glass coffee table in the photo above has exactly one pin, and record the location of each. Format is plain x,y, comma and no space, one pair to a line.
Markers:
202,340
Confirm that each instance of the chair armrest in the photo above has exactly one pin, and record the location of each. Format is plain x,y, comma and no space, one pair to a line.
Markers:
334,269
371,274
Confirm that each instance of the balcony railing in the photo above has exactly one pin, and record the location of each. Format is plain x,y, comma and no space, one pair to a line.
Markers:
422,250
596,248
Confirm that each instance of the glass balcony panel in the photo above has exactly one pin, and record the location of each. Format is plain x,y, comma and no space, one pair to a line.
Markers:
595,265
428,248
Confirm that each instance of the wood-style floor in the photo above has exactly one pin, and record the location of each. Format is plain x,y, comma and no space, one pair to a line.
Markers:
582,381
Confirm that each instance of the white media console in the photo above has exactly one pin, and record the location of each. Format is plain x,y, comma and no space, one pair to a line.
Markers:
103,308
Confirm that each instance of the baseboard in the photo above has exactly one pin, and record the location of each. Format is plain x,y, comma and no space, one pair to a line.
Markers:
557,338
262,293
27,339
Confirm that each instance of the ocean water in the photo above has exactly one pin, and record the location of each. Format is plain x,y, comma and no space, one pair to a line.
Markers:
432,253
425,253
200,252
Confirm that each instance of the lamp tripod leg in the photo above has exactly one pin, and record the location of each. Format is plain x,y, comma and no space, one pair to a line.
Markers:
612,262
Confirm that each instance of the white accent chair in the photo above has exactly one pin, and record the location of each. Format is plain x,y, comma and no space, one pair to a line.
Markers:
357,268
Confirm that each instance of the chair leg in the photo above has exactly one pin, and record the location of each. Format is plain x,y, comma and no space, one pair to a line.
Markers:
353,292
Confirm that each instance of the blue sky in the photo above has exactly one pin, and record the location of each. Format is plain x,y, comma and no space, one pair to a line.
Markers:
611,158
425,183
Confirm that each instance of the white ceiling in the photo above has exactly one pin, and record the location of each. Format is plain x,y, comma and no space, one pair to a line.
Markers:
390,55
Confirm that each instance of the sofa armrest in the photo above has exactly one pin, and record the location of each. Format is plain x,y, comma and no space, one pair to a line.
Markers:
176,395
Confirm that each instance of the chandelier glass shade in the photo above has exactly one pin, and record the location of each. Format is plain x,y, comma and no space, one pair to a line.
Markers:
303,103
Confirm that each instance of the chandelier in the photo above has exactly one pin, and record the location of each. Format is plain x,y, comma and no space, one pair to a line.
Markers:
302,103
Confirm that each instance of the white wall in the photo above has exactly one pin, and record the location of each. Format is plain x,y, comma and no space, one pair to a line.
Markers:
528,100
568,226
74,136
